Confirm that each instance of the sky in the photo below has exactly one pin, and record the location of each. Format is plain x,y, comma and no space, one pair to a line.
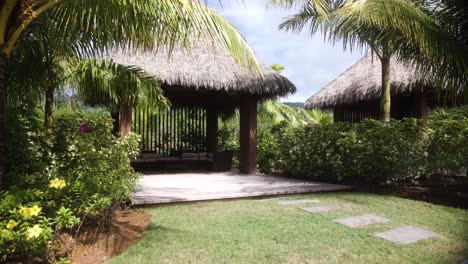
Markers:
310,62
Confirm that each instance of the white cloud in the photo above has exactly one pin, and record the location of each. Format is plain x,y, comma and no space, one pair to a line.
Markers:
310,63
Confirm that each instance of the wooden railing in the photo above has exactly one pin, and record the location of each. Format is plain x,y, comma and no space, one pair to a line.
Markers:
171,132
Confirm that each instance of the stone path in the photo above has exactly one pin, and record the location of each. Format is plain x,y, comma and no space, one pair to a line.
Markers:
403,235
325,208
406,235
362,220
296,202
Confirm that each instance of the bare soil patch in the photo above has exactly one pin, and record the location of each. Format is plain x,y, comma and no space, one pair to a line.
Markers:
96,244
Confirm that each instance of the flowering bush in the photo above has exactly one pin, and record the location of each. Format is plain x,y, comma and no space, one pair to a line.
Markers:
82,171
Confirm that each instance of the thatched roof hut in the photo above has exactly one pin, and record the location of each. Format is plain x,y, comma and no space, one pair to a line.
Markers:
363,82
200,83
207,67
355,94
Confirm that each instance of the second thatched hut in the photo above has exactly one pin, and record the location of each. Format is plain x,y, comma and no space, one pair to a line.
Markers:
355,94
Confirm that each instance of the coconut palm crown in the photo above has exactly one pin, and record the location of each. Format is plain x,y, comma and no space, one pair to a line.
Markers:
403,29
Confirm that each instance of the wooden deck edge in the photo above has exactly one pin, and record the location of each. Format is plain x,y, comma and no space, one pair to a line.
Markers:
154,200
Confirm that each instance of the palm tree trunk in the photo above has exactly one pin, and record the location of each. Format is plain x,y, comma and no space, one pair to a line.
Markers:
385,96
125,118
3,97
49,106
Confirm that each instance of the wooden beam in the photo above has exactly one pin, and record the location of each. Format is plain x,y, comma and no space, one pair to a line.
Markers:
212,129
248,135
125,118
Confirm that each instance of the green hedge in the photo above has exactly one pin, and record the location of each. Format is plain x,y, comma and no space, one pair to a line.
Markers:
370,151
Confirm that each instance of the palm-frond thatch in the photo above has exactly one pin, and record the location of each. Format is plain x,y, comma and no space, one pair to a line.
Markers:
363,82
206,66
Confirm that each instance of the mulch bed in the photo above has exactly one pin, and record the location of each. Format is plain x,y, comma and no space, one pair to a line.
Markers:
96,244
454,194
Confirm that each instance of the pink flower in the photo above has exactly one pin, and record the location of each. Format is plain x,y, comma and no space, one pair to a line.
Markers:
83,128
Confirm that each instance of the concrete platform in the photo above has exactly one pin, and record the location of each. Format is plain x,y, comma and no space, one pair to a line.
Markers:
187,187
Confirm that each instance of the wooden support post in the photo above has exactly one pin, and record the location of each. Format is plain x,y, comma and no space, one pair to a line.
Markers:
248,135
423,106
212,129
125,118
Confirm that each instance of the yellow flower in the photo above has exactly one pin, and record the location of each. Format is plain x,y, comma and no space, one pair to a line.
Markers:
25,211
34,231
30,211
11,224
57,183
35,210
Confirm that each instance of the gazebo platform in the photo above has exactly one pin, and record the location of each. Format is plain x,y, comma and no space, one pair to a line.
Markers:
200,186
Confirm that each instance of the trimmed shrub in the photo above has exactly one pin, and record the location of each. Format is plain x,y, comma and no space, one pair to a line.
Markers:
373,152
267,148
448,148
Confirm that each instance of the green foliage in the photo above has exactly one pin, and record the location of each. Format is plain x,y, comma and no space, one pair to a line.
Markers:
320,116
454,113
72,171
277,67
267,148
89,155
24,133
373,152
271,113
409,30
105,83
448,149
228,138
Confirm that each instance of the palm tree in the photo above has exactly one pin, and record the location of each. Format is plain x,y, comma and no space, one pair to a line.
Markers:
118,87
95,26
38,67
271,112
320,116
401,28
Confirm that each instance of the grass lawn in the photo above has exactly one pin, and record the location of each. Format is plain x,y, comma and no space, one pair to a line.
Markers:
253,231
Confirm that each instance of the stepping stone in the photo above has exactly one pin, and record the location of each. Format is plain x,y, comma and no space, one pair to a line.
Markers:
294,202
324,208
362,220
406,235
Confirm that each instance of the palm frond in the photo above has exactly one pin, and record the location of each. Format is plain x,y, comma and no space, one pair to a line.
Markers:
274,112
405,27
105,83
125,24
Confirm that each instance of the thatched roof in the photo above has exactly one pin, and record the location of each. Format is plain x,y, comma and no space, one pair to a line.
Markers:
363,81
206,66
